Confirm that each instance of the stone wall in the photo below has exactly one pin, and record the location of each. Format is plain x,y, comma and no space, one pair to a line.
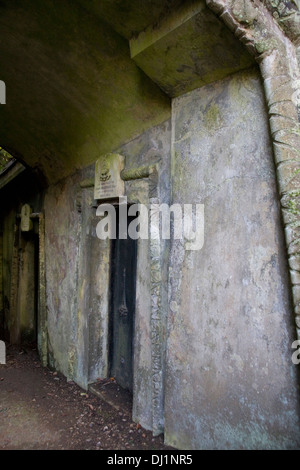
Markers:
230,380
77,273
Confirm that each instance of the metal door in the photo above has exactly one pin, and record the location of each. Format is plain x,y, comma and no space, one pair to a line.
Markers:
123,291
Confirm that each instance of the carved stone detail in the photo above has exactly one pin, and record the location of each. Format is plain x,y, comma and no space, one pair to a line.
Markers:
156,331
104,174
137,173
157,360
277,58
287,15
108,182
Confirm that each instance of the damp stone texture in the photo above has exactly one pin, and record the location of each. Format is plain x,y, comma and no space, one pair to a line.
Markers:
230,325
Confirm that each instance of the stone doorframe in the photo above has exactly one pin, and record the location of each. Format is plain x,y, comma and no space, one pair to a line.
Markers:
259,28
42,332
141,188
156,318
270,30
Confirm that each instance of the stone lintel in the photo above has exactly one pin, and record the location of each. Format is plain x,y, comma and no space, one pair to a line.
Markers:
187,49
176,19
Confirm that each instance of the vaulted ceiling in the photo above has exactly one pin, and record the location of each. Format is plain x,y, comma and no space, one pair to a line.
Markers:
82,77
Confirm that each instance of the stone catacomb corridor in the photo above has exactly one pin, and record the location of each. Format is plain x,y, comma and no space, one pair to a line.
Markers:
136,104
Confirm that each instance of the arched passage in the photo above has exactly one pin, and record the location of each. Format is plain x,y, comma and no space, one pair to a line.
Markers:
169,86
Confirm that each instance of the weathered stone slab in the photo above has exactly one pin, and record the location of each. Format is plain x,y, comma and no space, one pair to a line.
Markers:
230,380
108,182
188,48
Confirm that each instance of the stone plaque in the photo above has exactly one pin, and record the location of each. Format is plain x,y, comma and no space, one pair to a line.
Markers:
108,182
26,222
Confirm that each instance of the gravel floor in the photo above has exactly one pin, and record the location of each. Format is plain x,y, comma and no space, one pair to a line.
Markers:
40,410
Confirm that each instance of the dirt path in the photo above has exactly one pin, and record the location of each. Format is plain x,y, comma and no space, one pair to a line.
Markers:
39,409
